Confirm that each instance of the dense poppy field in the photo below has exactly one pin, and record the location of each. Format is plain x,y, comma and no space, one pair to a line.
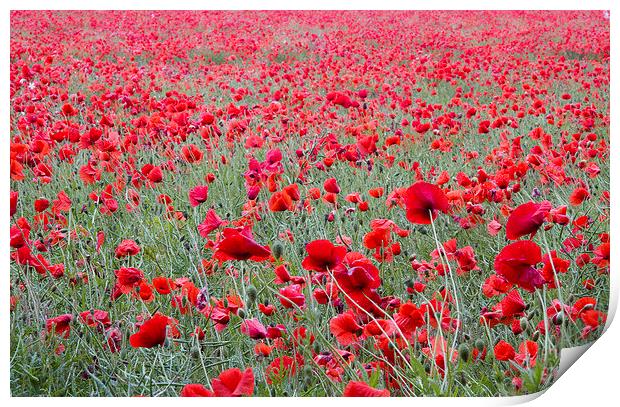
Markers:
306,203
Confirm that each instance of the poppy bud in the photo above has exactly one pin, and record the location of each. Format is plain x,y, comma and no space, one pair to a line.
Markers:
251,293
277,250
462,379
558,318
535,335
307,372
464,352
316,347
241,313
480,344
523,323
195,352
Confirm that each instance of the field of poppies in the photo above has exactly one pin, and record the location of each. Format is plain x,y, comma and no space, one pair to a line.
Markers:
305,203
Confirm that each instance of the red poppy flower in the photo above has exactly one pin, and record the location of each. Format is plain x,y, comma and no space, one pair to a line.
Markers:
380,327
69,110
282,366
408,318
198,195
357,273
145,292
512,304
164,285
345,328
359,279
211,222
504,351
60,325
280,201
528,351
578,196
466,260
239,245
377,238
314,193
100,240
19,236
127,278
191,154
151,333
155,175
376,192
267,309
601,257
127,248
13,202
96,318
516,262
526,219
331,186
292,295
262,349
292,191
41,205
422,201
323,256
234,383
493,228
253,328
362,389
553,263
196,390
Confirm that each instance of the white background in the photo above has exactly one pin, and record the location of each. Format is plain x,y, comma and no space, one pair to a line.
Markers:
591,381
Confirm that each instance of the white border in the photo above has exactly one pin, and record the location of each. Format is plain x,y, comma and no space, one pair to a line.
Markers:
591,380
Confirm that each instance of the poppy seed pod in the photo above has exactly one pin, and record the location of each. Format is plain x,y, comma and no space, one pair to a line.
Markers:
464,352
